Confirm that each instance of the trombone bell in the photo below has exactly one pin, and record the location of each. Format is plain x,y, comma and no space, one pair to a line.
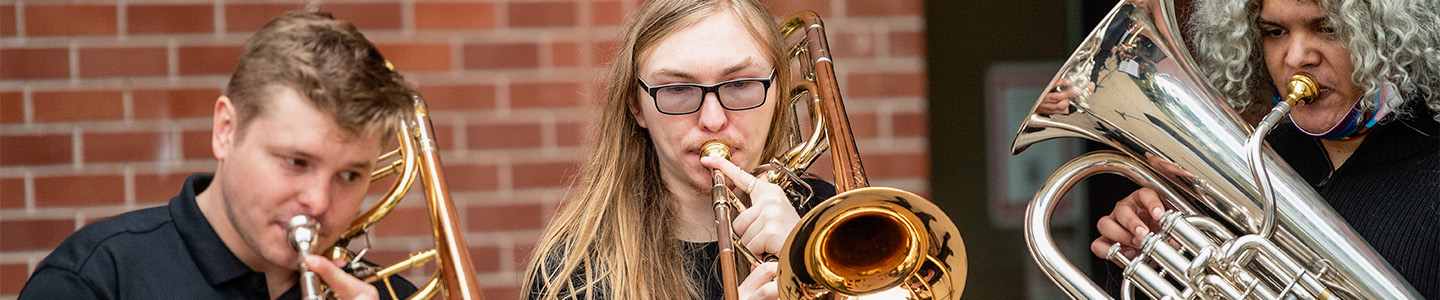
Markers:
873,240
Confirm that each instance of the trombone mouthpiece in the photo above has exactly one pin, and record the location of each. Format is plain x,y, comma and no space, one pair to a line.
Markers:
715,149
302,232
1301,89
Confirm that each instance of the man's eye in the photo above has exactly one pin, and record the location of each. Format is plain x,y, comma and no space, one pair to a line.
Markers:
350,176
1272,32
296,162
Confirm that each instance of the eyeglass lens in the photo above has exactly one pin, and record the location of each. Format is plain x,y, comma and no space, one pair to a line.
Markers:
736,95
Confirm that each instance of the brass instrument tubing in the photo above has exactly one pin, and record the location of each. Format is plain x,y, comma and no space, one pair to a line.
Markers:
727,248
1302,90
415,260
451,248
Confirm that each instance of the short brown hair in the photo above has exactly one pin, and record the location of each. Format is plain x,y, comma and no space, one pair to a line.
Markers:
329,62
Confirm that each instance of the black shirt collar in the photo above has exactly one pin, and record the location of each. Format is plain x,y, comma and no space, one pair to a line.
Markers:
215,261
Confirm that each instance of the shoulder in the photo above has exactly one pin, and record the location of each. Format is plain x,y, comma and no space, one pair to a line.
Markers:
551,266
87,260
138,228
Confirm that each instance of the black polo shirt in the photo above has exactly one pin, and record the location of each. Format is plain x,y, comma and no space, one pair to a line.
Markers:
165,252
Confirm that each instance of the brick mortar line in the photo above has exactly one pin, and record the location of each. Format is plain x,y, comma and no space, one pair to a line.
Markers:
116,83
846,66
62,213
502,35
28,98
30,204
77,148
23,257
514,116
122,24
483,198
150,167
515,155
150,125
20,28
906,104
56,2
492,157
73,58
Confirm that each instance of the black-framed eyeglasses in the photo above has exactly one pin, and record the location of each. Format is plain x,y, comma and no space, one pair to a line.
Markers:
686,98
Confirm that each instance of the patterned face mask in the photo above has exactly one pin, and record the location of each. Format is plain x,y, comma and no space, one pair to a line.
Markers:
1359,121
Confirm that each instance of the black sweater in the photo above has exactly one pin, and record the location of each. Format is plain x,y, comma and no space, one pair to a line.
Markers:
1388,190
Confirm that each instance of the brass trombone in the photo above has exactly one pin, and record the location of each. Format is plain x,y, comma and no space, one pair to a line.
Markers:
864,241
416,157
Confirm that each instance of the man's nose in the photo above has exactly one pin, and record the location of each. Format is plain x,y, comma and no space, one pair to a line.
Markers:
712,114
315,196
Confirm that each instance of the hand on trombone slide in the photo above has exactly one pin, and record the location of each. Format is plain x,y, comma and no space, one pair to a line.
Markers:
341,284
763,227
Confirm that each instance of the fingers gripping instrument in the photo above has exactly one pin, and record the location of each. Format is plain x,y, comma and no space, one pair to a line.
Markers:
417,158
302,231
866,240
1244,225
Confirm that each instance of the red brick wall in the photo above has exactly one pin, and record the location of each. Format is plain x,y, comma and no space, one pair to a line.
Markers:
104,107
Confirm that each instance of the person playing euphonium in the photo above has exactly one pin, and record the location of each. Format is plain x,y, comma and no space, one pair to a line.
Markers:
1369,144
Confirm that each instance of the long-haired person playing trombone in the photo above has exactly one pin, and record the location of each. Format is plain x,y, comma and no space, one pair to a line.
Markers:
640,224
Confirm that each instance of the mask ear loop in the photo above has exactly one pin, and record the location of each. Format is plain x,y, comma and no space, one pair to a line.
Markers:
1387,99
1358,123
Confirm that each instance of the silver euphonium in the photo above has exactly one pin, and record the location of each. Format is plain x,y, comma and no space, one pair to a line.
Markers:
1138,92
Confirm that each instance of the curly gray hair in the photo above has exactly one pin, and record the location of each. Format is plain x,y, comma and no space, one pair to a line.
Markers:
1398,40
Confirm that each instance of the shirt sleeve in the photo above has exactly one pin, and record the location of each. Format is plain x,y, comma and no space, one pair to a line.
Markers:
58,283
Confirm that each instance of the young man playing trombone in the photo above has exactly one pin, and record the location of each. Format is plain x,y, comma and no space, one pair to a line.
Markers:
306,113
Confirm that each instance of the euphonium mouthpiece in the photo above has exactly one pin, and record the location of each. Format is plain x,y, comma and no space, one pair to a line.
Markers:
1301,89
715,149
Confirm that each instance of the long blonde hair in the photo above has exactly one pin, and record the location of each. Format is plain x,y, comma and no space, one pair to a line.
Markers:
594,247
